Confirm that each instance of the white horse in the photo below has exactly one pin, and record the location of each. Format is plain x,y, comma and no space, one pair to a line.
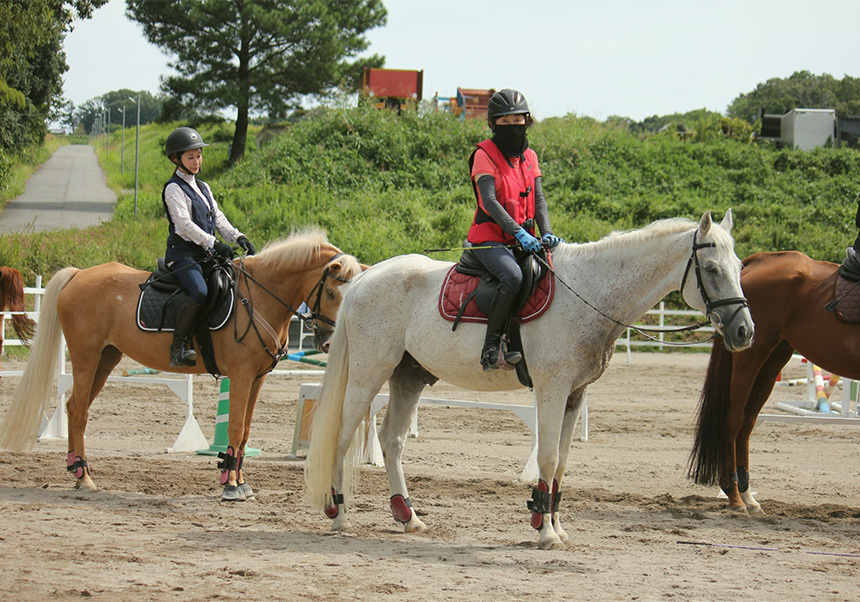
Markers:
390,313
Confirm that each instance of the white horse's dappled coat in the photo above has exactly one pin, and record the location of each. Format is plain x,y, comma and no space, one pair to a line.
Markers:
392,309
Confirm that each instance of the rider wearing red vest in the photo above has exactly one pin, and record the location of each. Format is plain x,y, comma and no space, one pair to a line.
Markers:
506,179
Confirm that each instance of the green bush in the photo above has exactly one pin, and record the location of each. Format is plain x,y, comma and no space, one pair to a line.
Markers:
384,184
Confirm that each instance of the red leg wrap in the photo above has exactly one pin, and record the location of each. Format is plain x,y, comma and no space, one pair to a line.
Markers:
401,508
76,465
333,510
228,464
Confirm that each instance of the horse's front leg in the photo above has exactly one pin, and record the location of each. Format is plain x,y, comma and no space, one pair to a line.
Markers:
244,488
405,393
550,409
240,388
571,414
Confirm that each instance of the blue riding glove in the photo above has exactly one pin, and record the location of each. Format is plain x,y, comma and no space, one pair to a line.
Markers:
528,242
550,240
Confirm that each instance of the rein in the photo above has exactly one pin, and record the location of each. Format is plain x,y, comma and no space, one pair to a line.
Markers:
310,319
645,330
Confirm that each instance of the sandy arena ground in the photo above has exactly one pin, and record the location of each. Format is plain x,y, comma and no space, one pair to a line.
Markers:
156,530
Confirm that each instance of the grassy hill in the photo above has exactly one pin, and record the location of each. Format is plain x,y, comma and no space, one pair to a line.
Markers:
383,185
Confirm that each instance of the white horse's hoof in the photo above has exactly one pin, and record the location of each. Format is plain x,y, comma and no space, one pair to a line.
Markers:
414,525
560,532
340,523
548,541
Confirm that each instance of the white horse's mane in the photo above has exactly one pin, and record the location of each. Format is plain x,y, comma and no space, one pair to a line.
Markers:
622,239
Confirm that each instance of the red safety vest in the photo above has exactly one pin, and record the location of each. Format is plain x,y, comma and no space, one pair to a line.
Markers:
515,191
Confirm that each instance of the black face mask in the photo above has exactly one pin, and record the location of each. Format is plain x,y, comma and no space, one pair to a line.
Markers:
511,139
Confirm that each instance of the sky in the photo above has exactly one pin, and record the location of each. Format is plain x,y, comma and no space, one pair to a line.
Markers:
597,58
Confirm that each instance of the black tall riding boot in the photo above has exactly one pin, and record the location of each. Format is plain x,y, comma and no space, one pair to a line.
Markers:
184,331
501,308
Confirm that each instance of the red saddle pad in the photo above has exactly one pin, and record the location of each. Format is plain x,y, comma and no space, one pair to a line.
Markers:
456,287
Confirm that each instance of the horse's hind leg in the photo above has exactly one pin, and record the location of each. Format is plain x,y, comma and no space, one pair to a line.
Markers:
405,392
759,395
88,382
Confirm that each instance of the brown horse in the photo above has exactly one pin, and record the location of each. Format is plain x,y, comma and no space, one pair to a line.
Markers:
12,299
96,308
787,293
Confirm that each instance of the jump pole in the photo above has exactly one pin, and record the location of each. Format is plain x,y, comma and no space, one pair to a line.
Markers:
222,417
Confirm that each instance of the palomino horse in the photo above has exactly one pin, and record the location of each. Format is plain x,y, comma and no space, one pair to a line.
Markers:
96,308
389,328
787,294
12,299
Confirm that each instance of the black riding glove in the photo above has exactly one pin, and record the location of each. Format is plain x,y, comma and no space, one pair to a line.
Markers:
223,249
246,245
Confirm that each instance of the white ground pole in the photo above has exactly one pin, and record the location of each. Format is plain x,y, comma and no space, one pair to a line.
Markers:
372,452
806,410
190,438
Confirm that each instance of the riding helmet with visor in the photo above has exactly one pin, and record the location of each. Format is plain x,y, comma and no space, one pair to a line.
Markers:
507,102
181,140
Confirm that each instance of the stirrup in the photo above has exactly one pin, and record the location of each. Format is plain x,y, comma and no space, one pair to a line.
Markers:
494,359
183,357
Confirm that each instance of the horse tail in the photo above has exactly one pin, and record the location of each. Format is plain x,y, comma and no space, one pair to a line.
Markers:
328,420
30,400
13,287
709,447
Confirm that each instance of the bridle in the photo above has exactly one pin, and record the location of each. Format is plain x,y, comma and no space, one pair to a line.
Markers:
700,285
309,319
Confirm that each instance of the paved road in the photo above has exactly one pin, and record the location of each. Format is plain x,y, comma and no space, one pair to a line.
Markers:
68,191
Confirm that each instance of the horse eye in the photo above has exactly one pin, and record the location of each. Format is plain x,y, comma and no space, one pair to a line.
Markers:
330,293
712,268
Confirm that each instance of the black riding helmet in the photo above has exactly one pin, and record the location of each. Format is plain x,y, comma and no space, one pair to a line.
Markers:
181,140
507,102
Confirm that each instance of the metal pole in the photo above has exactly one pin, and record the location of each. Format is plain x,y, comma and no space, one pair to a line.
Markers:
136,154
122,147
107,138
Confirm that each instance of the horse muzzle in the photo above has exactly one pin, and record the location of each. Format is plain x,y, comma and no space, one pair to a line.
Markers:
738,330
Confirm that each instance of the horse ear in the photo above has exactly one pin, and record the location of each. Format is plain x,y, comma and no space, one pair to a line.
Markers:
705,223
727,220
363,267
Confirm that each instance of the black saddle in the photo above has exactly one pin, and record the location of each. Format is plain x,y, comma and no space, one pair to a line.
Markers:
850,268
160,299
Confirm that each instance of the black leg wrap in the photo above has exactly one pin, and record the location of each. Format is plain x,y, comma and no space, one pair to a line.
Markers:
77,465
743,479
540,502
229,460
555,499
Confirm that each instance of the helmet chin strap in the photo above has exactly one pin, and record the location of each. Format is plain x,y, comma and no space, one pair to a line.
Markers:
180,165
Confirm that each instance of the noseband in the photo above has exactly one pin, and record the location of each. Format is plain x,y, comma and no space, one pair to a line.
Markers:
700,284
311,319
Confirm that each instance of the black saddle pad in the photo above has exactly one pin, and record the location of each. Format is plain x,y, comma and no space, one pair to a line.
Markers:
157,308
